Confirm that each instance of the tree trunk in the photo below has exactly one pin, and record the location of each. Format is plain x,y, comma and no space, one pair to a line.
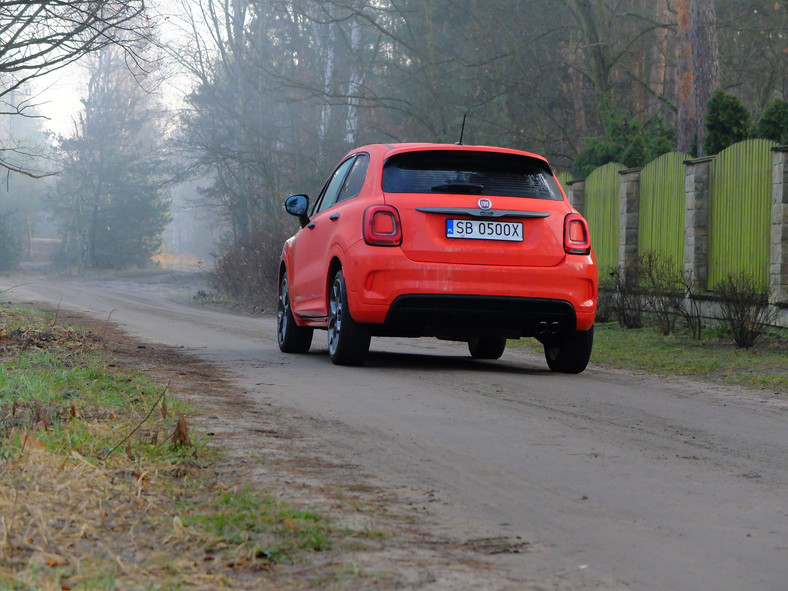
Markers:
596,41
356,79
658,62
685,121
705,61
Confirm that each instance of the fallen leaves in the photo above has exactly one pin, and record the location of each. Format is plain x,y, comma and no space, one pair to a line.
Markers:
180,437
30,443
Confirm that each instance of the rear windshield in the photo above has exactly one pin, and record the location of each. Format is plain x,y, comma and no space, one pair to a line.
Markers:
463,172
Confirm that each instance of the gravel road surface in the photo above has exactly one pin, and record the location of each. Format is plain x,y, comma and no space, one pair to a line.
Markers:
611,479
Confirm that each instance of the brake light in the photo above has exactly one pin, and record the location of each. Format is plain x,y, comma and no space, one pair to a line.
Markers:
577,238
382,226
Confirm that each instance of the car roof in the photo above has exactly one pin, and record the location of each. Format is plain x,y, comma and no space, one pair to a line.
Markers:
386,150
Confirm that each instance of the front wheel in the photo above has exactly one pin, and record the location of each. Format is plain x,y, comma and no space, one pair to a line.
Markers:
291,337
571,353
348,342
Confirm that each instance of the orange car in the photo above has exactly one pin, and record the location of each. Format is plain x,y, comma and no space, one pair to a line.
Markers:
468,243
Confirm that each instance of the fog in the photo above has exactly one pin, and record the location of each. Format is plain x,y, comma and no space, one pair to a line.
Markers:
182,137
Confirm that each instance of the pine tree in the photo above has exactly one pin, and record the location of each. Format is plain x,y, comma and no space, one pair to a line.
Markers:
111,199
727,122
773,123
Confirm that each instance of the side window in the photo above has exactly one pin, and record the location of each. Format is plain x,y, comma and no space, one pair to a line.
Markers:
355,178
332,188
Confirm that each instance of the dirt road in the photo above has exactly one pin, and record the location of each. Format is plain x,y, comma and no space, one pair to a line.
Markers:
608,480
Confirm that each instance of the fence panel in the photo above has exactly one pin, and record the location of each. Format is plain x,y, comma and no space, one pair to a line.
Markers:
740,196
565,178
662,203
602,210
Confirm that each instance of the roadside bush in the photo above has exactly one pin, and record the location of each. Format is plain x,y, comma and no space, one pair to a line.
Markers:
653,290
745,309
690,307
606,303
10,246
246,272
628,301
663,289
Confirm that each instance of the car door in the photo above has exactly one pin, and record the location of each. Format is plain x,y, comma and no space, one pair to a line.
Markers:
311,252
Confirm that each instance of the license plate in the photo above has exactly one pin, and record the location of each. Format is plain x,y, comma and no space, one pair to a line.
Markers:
484,230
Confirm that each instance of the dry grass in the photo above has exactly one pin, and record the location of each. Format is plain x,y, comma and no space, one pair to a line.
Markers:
100,488
68,523
102,485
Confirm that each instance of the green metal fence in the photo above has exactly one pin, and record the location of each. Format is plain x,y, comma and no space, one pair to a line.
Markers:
740,193
565,178
662,203
602,211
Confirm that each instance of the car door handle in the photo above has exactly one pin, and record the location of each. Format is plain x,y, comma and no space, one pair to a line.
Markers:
334,217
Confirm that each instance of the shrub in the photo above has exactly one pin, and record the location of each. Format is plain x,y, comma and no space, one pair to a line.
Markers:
690,307
10,246
663,289
246,271
655,286
626,140
745,308
629,303
606,303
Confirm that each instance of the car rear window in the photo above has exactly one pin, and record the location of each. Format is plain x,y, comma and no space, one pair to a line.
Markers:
465,172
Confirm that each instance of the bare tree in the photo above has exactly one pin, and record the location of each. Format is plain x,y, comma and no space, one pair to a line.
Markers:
40,36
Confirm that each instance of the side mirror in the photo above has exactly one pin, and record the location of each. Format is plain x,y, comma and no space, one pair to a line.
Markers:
298,205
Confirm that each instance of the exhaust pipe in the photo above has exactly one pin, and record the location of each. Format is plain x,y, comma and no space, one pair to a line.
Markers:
543,328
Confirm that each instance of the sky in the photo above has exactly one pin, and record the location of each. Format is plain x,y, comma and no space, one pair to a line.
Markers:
58,94
57,97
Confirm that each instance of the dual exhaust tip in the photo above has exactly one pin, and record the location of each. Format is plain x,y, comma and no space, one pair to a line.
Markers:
552,328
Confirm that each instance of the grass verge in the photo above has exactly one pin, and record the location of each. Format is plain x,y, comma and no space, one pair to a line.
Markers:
103,487
714,358
764,366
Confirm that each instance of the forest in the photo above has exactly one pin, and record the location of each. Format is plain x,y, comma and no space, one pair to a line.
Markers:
277,91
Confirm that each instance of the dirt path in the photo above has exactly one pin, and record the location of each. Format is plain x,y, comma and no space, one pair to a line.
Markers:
493,475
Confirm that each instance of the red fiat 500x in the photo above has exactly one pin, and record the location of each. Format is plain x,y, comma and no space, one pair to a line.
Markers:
468,243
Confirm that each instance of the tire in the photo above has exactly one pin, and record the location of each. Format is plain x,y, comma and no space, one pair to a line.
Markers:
486,347
291,337
348,342
570,354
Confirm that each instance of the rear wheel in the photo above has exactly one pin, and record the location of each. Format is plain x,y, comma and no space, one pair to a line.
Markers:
348,342
486,347
571,353
291,337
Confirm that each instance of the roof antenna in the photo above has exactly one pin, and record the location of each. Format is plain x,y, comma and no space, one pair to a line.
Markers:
462,131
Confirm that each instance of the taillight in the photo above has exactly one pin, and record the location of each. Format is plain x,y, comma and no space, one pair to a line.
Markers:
577,239
382,226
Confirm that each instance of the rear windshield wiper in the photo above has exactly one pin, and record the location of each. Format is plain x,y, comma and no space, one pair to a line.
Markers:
459,187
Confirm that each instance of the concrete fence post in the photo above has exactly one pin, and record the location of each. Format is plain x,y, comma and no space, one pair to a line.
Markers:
630,217
576,193
696,221
778,259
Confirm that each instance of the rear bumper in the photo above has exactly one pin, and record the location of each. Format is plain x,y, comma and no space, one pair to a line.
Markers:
464,316
408,298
